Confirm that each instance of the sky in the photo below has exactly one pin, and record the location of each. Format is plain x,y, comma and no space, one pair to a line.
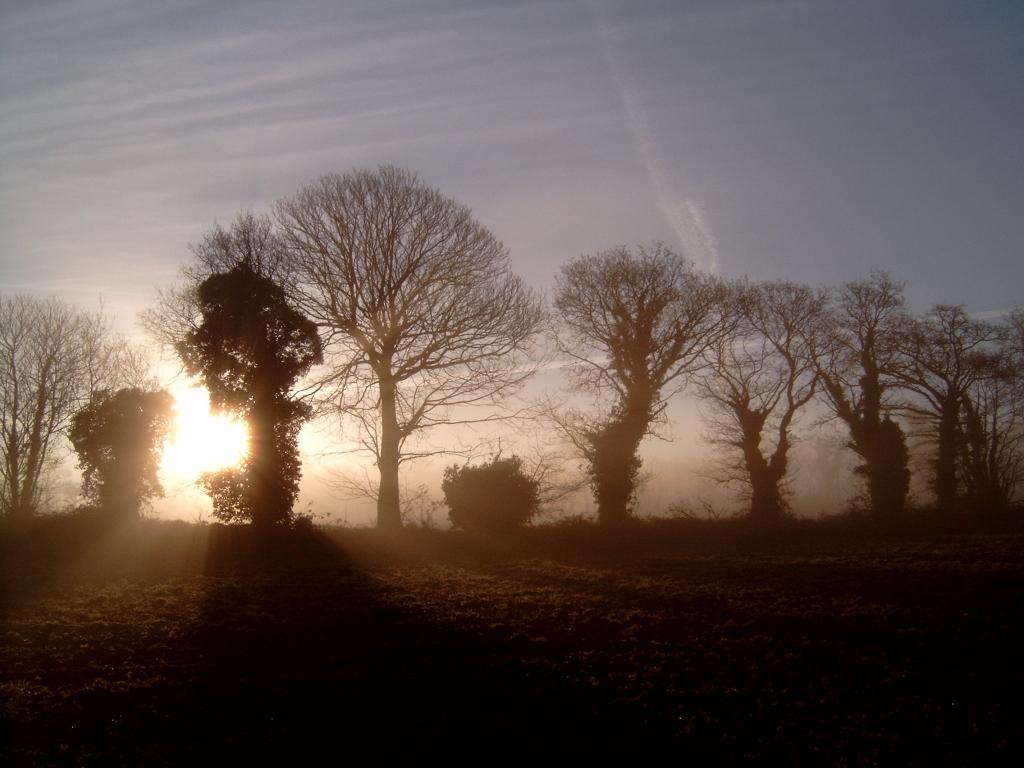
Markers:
809,140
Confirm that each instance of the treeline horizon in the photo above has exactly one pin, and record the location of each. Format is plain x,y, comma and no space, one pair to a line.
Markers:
372,299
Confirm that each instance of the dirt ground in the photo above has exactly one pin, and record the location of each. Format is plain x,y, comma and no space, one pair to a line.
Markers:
170,644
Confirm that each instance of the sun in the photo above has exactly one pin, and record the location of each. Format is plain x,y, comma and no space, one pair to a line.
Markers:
201,441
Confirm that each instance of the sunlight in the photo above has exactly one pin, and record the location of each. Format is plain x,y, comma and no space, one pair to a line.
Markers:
202,441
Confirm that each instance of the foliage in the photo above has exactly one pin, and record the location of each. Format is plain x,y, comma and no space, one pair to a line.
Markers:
424,322
613,463
249,239
52,359
119,437
250,349
495,496
636,327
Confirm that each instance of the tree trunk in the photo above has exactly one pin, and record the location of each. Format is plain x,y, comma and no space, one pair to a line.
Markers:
266,505
614,467
766,504
16,507
766,500
389,514
945,482
980,461
765,497
24,491
885,467
878,441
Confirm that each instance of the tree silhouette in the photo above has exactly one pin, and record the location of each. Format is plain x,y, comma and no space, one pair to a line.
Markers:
249,239
864,327
759,376
1013,339
422,318
52,359
946,353
992,441
635,326
250,349
119,438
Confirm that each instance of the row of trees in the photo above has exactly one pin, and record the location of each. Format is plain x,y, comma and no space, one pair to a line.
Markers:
642,326
421,323
411,308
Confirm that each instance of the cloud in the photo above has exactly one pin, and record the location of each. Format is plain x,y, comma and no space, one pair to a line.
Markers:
699,240
685,216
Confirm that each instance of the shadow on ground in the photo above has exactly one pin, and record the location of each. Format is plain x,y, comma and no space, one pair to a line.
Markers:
231,648
170,644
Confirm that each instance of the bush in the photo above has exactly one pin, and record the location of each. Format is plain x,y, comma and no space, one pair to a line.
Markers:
119,438
492,497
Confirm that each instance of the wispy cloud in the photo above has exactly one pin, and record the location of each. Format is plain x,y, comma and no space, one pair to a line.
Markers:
695,230
685,216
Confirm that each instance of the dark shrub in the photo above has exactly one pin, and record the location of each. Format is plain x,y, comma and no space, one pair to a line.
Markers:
491,497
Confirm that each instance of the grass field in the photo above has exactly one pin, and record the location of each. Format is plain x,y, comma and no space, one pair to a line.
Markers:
168,644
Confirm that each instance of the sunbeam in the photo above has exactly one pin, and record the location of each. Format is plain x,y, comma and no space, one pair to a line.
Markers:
202,441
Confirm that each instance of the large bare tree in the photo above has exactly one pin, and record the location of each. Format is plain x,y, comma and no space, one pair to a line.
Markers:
758,377
422,320
992,443
52,359
864,326
946,354
634,326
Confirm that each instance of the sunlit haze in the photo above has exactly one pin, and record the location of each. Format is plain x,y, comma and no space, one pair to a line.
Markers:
201,441
638,377
811,141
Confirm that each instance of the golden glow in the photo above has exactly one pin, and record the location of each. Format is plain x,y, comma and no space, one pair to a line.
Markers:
201,441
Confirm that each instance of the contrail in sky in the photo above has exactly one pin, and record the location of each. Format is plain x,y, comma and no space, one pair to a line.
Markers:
684,215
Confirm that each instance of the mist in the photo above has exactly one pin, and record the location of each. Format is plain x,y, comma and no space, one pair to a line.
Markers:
471,378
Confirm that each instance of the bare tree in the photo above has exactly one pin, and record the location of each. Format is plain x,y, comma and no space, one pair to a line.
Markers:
946,354
553,468
858,375
423,322
635,327
992,442
1014,339
758,377
52,359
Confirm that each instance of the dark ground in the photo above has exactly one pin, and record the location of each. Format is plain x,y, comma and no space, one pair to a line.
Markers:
168,644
